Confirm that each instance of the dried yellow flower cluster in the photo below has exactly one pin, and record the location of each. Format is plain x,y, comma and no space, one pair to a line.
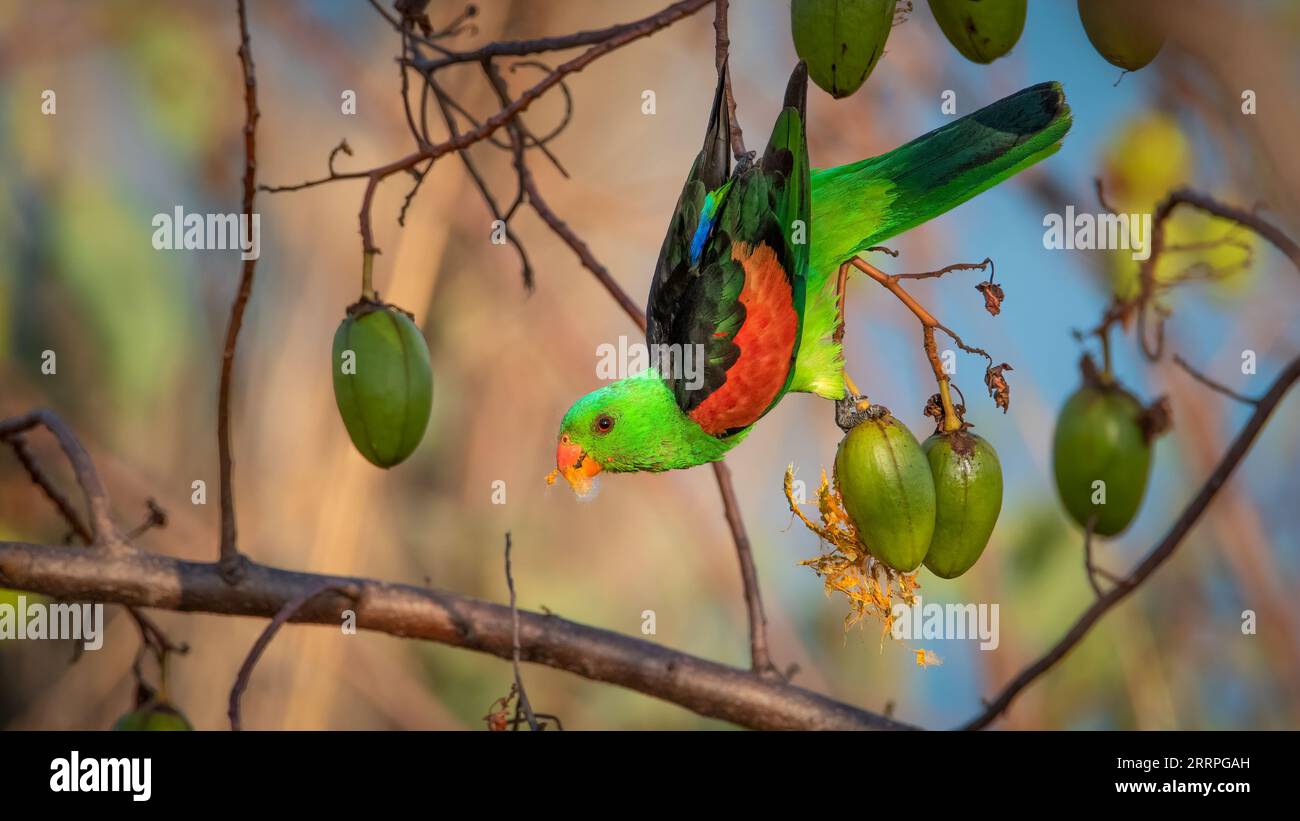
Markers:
849,568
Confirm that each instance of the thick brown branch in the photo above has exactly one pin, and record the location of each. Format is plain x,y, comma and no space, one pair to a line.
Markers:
1161,552
705,687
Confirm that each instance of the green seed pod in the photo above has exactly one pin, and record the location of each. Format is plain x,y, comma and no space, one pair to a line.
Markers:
884,479
383,382
840,40
982,30
1122,31
968,499
154,717
1099,438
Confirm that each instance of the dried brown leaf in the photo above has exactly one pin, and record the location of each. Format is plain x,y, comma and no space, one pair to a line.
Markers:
993,296
996,381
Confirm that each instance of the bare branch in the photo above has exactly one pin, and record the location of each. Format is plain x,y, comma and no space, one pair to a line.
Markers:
144,579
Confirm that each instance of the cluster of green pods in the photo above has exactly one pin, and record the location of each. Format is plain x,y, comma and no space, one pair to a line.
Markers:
934,503
842,40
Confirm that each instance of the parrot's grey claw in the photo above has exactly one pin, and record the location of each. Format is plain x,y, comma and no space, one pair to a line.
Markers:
744,162
849,411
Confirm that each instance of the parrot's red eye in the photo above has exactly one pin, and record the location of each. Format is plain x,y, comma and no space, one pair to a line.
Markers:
604,423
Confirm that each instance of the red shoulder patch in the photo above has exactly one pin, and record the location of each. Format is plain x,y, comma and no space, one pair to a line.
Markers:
766,342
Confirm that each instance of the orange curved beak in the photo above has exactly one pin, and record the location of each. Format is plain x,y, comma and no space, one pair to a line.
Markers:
575,465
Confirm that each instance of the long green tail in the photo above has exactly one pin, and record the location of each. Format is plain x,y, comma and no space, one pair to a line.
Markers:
865,203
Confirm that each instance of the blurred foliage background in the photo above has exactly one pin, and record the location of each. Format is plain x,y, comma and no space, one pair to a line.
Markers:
149,115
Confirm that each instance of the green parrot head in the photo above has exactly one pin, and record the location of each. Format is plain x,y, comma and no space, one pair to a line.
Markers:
630,425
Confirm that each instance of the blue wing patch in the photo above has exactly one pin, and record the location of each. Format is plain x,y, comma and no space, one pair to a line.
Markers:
708,218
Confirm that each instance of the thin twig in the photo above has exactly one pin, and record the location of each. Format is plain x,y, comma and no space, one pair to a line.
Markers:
420,175
1091,569
1147,271
531,140
230,557
1088,568
580,248
722,49
420,136
157,518
498,85
519,48
401,28
153,634
524,703
987,264
286,612
70,515
614,39
1211,384
929,324
760,656
101,530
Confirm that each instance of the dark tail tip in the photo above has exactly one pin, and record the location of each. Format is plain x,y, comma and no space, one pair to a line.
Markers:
796,91
717,139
